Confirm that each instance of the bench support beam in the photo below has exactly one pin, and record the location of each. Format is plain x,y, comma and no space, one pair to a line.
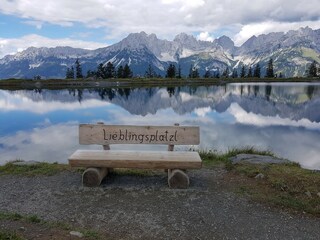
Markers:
92,177
178,179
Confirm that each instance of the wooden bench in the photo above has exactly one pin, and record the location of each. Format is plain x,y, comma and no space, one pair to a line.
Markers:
100,162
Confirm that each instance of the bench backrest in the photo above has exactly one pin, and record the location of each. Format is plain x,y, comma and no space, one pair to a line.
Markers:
125,134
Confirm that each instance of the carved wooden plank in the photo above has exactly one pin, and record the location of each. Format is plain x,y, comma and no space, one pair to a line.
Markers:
171,146
126,134
135,159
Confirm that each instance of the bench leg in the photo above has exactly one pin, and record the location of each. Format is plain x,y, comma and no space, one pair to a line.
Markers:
177,179
92,177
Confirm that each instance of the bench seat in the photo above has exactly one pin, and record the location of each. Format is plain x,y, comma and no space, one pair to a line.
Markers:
135,159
